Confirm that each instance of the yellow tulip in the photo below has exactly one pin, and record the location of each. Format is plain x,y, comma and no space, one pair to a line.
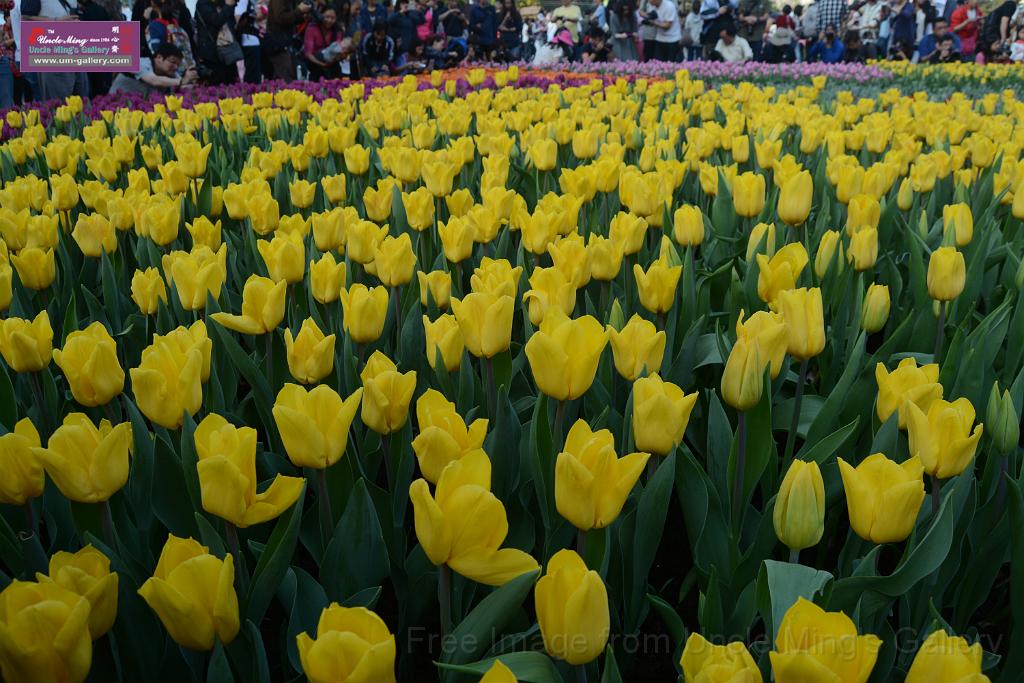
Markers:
543,154
26,346
377,201
387,393
196,275
394,261
168,381
862,211
159,222
284,257
805,323
825,257
364,311
688,226
148,290
362,239
571,256
36,267
463,525
628,231
768,330
437,285
485,321
95,235
314,424
205,233
743,377
419,208
657,286
704,661
905,196
661,412
193,594
335,188
496,277
947,659
799,513
444,436
301,193
438,177
591,482
762,240
326,278
781,272
815,645
907,384
499,673
329,227
638,348
572,609
296,224
875,311
353,645
263,212
263,302
740,148
357,159
310,354
44,634
863,251
851,180
795,199
947,274
942,438
883,497
445,337
88,463
456,239
605,258
748,194
87,573
63,192
90,365
549,291
564,354
23,473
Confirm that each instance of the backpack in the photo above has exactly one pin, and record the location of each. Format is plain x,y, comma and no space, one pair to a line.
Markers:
178,37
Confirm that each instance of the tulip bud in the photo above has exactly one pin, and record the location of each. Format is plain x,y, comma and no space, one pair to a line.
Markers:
743,377
196,274
1002,420
64,653
90,364
799,514
805,324
808,641
485,321
875,311
326,278
387,394
36,267
310,353
591,482
748,194
657,286
394,261
88,463
883,497
830,242
26,346
958,219
443,336
688,226
947,274
905,196
559,339
444,436
314,424
781,272
369,648
364,311
605,258
795,199
943,657
438,285
941,437
87,573
193,594
863,252
762,240
706,662
577,635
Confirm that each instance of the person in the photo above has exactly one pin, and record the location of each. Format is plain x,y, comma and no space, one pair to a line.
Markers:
7,52
716,15
925,17
599,17
666,40
597,48
57,84
402,28
164,27
483,29
995,33
157,74
219,51
424,30
321,46
902,34
732,48
753,19
966,21
853,49
567,16
945,52
378,51
452,22
831,13
869,16
693,25
442,53
828,48
510,31
622,22
249,37
929,45
778,46
884,30
283,18
370,13
647,31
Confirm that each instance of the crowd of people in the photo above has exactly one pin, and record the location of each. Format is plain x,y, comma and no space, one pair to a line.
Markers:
225,41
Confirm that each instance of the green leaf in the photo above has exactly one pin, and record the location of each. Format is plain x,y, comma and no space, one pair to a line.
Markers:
827,447
356,557
273,562
1015,658
785,582
473,635
611,668
528,667
219,670
836,400
650,521
8,401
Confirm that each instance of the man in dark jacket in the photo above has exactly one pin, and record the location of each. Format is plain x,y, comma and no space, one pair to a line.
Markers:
402,27
483,28
211,17
282,18
370,13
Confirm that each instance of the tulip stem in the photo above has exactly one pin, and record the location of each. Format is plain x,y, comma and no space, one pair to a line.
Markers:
37,392
444,598
794,423
1001,485
741,465
268,342
940,331
385,446
794,556
108,524
581,673
396,296
936,495
559,414
236,552
492,400
326,516
581,544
